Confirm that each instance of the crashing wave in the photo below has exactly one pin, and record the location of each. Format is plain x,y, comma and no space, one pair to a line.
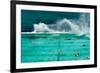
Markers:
80,26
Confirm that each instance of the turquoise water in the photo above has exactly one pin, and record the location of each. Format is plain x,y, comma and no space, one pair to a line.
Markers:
47,47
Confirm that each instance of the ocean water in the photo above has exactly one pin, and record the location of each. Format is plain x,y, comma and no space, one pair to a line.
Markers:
48,47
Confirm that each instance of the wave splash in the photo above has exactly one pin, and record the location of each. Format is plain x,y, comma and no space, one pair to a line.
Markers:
80,26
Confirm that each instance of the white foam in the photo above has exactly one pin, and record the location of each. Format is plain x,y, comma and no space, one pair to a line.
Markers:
79,27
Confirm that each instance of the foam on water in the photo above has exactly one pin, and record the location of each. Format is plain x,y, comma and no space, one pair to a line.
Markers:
79,27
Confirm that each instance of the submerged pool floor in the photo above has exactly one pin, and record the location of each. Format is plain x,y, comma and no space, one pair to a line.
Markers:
54,47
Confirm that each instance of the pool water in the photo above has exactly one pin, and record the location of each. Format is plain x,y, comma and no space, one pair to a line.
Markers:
48,47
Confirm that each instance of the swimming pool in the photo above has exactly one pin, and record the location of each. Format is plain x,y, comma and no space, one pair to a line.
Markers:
47,47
